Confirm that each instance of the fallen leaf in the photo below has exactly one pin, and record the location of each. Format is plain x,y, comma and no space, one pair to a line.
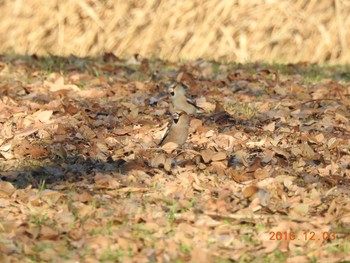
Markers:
170,147
207,155
43,116
250,192
219,156
270,127
6,189
47,233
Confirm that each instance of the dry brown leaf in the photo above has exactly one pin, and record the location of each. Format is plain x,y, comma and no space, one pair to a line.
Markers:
300,209
200,254
7,156
170,147
219,167
43,116
319,138
36,151
168,164
195,124
158,160
262,173
297,259
47,232
4,202
332,143
53,196
6,189
84,197
121,132
84,210
207,106
268,155
207,155
139,85
280,151
307,151
250,192
270,127
6,147
91,93
102,147
106,181
219,156
239,176
58,85
341,118
33,230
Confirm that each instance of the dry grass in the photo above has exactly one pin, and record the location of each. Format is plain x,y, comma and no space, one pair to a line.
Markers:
271,30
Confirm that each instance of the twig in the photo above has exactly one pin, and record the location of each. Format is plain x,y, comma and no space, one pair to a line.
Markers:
244,216
315,100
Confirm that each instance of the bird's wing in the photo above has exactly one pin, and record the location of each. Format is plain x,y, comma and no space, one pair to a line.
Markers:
193,104
166,133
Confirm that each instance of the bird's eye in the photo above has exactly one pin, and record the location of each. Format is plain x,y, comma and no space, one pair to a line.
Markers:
176,121
172,93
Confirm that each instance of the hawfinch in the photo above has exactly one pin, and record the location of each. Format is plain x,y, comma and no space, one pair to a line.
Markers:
180,102
177,130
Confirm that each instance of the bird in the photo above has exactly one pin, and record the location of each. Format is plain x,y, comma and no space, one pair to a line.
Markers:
180,102
177,131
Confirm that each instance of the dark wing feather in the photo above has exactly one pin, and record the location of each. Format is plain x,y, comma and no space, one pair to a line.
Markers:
166,133
194,104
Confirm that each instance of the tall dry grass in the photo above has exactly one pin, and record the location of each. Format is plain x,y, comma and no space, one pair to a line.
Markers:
269,30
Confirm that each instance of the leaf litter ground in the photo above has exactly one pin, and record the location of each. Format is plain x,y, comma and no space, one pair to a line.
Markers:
264,175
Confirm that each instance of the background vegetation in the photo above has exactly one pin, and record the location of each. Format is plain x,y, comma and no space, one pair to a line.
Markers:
272,31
